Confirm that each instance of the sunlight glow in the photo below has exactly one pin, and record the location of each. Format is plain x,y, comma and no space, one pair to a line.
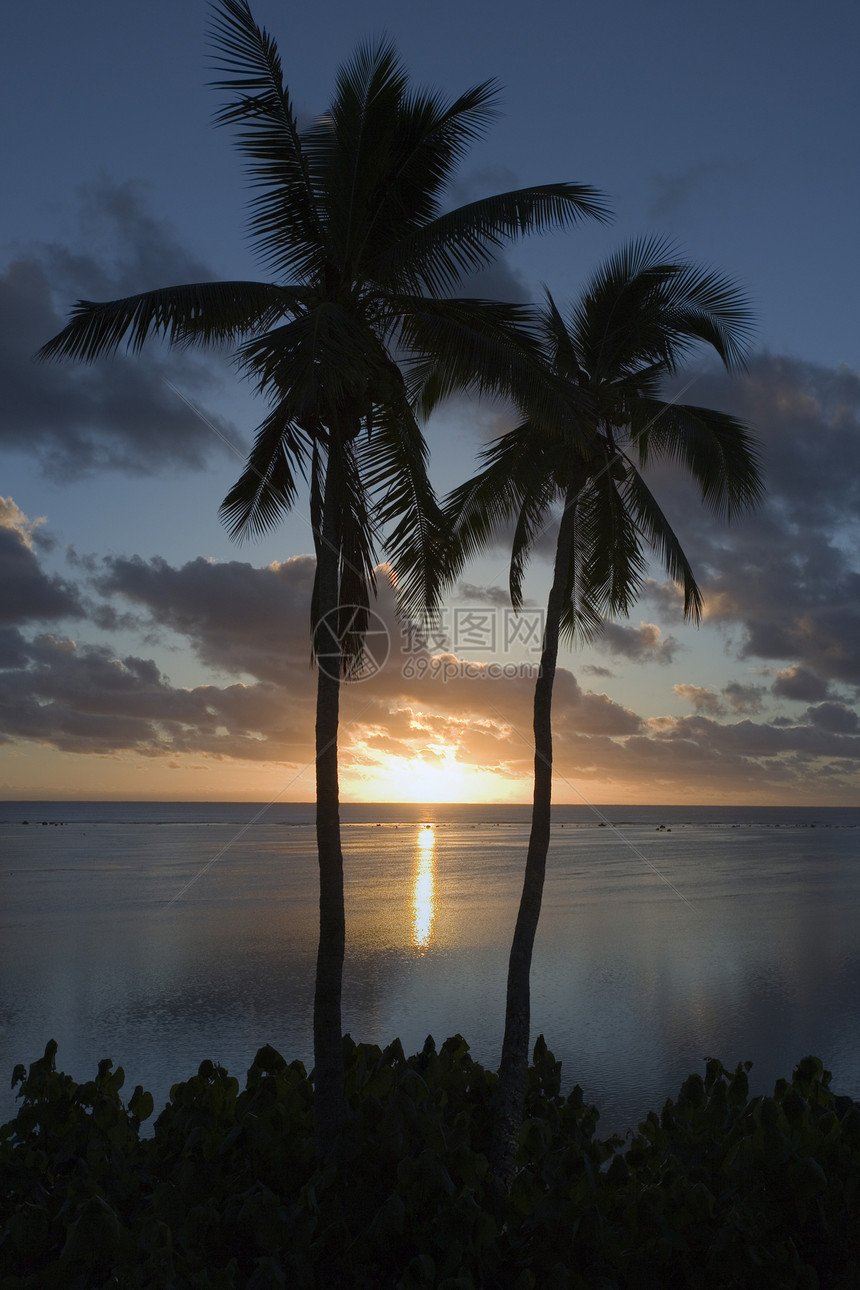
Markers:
434,775
424,888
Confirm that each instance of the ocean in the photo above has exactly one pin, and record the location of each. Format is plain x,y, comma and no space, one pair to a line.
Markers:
163,933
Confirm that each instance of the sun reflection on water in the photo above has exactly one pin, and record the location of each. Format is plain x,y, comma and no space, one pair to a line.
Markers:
424,888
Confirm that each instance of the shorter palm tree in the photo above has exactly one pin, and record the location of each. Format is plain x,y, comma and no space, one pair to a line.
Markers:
640,315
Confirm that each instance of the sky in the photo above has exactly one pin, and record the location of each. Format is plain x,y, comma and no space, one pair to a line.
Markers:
145,655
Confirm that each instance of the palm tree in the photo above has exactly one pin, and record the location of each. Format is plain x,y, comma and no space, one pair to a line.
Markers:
640,314
356,330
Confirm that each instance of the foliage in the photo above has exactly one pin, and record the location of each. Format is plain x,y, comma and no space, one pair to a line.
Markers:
638,318
360,323
719,1191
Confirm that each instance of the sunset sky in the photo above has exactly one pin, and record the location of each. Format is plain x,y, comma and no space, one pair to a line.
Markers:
144,655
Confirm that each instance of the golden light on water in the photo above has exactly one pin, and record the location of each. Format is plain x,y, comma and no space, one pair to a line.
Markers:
424,887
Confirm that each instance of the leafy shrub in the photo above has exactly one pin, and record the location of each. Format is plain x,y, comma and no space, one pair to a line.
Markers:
719,1191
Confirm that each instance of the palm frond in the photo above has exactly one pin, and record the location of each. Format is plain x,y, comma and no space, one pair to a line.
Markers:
581,621
392,461
561,351
661,537
437,256
316,496
475,513
582,616
711,308
357,542
285,220
611,563
426,140
489,349
717,450
645,305
318,363
266,489
350,148
641,312
204,313
355,546
532,520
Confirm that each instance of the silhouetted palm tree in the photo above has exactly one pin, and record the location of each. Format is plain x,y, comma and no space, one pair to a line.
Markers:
348,217
639,316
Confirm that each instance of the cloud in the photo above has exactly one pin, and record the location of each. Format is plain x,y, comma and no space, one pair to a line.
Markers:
84,699
499,597
253,625
800,684
238,618
642,644
29,594
783,583
835,717
249,623
744,698
119,413
248,628
674,192
702,699
14,519
666,599
136,250
13,648
734,697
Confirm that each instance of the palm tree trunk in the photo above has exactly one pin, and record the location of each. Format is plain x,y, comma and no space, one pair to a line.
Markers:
328,1031
510,1090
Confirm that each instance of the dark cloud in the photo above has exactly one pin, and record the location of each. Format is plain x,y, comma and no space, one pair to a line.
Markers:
13,648
120,413
136,250
800,684
744,698
29,594
497,596
642,644
238,618
499,281
734,697
578,712
783,582
666,599
252,625
253,622
701,698
247,622
760,739
84,699
836,717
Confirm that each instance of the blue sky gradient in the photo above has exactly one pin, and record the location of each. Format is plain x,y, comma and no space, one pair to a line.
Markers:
731,130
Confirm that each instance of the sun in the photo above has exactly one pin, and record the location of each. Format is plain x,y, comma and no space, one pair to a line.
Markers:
434,775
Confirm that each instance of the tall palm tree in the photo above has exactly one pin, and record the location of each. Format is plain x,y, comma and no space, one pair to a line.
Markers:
639,316
357,328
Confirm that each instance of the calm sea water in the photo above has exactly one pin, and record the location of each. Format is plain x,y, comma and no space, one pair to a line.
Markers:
162,933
